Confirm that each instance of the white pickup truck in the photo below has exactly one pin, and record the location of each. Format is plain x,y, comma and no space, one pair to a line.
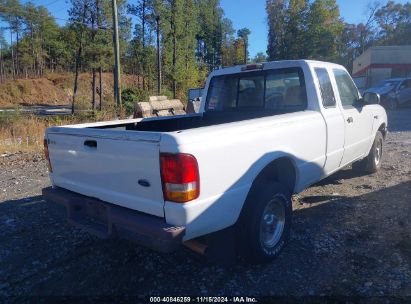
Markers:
264,132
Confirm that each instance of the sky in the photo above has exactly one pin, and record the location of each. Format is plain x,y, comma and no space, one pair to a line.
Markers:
251,14
243,13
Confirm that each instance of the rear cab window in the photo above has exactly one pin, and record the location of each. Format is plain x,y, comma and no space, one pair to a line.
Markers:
276,90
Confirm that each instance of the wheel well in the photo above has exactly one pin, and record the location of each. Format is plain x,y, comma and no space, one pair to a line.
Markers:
383,130
281,170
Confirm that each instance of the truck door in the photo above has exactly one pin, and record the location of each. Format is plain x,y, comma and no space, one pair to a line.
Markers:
358,118
334,122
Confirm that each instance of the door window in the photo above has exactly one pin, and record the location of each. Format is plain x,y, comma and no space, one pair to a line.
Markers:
346,88
327,92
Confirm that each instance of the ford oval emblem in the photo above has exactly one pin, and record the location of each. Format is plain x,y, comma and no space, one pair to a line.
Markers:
144,182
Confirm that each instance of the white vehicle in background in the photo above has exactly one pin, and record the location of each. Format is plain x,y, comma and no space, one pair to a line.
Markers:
264,132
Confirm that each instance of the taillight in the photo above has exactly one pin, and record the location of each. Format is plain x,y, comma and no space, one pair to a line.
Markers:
46,154
180,177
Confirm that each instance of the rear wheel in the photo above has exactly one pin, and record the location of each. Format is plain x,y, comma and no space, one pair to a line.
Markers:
372,163
265,222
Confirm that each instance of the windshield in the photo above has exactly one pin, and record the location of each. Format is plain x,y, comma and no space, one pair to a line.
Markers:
387,83
278,90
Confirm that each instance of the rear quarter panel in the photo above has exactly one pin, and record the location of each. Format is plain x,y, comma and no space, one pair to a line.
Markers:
230,156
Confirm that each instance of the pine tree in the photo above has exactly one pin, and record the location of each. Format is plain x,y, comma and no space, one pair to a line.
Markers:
3,48
295,29
210,34
143,36
243,34
227,46
276,12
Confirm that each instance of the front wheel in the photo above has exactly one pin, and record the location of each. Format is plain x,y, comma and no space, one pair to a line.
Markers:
265,222
372,163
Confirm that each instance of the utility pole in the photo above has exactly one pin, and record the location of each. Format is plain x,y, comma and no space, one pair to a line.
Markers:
117,84
158,57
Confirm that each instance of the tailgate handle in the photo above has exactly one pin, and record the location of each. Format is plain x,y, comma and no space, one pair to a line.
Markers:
90,143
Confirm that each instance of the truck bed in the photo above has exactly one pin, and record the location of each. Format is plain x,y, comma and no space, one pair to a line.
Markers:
185,122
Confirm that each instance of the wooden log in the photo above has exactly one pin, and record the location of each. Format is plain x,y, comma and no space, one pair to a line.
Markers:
142,109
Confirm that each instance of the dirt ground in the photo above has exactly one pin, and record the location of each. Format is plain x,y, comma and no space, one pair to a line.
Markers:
57,89
351,236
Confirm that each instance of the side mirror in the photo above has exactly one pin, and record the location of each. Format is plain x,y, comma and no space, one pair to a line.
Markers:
371,98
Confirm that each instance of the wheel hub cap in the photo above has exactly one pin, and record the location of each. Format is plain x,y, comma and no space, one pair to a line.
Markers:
272,223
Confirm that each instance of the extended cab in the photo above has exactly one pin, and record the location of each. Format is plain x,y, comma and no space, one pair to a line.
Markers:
264,132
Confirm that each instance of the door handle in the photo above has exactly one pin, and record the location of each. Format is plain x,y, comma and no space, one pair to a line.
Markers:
350,120
90,143
376,117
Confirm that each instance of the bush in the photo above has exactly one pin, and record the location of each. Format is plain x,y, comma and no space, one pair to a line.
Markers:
130,96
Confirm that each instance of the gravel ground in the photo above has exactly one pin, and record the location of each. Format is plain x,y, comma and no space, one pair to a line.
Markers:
351,237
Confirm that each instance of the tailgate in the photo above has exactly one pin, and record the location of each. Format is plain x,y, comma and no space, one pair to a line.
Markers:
119,167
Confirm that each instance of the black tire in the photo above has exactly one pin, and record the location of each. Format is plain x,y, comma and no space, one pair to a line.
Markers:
372,163
257,216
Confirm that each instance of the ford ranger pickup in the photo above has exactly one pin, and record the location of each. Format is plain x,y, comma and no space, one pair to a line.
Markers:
263,132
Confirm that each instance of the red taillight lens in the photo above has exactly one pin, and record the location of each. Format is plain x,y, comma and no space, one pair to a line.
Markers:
180,177
46,154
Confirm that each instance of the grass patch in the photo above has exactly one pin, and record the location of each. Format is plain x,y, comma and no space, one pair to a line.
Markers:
20,132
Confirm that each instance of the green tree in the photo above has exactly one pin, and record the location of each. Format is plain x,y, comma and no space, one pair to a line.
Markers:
286,28
243,34
210,32
179,29
324,29
394,20
3,48
299,29
238,51
260,57
227,45
11,12
141,45
276,12
295,28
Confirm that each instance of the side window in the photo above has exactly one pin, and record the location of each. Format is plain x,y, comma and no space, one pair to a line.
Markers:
346,88
285,90
327,92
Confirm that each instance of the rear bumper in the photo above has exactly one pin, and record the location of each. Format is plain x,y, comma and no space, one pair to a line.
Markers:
107,220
